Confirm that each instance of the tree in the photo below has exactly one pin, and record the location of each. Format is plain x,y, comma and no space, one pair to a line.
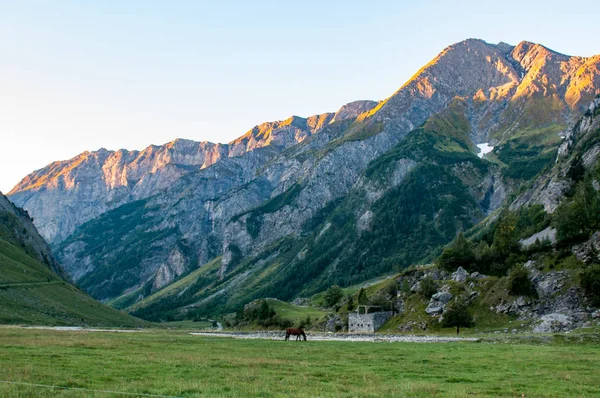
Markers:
457,315
362,297
576,219
519,283
506,239
459,253
350,301
333,295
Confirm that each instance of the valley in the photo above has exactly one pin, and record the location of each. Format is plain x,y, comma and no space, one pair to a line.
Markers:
137,363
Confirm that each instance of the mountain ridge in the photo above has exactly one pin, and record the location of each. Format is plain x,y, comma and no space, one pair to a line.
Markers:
261,210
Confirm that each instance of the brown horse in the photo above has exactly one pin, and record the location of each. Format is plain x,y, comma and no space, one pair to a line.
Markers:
296,332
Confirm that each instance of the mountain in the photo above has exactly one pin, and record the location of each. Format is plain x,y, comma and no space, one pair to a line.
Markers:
32,288
94,182
295,206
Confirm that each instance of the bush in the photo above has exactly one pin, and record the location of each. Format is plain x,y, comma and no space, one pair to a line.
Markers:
305,324
519,283
427,287
590,282
333,295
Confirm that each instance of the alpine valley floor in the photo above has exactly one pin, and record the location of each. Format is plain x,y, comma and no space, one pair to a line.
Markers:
175,363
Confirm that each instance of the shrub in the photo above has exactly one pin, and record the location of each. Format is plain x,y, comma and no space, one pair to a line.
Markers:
427,287
306,323
519,283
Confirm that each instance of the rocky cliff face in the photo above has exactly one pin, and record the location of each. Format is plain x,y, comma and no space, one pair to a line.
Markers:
94,182
550,188
290,197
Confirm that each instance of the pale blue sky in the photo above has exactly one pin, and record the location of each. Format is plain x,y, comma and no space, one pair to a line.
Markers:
80,75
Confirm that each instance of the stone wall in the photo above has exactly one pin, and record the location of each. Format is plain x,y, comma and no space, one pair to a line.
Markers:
367,323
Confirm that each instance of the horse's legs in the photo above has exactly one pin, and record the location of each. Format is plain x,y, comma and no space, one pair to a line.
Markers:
287,336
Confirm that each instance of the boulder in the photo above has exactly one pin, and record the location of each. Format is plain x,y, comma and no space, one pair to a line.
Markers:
477,275
554,323
416,287
549,283
522,302
460,275
438,302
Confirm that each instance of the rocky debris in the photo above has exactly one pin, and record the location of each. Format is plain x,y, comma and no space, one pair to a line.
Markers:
335,323
445,288
522,302
301,301
547,234
460,275
438,302
547,284
473,295
589,250
554,323
412,326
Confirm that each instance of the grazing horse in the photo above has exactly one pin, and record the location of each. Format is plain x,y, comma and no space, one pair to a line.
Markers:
296,332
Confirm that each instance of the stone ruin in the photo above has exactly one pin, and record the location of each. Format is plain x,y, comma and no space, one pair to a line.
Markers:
367,319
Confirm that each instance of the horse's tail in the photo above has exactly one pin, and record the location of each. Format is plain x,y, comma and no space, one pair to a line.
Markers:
304,335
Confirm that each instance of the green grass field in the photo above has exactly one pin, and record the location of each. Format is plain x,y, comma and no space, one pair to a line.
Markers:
174,363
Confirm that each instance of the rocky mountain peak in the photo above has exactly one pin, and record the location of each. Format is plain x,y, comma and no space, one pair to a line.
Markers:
353,109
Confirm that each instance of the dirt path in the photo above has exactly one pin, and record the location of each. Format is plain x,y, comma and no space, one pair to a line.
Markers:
26,284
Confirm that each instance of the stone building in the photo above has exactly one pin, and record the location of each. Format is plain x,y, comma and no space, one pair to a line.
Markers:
367,319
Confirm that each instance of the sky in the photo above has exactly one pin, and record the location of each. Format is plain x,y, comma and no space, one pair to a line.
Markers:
81,75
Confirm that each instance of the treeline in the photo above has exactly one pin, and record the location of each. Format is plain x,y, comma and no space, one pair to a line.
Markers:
261,314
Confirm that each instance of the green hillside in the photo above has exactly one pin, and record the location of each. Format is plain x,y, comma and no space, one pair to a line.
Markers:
30,293
31,290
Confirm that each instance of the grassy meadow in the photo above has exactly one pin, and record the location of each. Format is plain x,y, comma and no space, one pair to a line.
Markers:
174,363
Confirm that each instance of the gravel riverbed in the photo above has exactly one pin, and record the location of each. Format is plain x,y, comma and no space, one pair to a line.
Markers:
316,336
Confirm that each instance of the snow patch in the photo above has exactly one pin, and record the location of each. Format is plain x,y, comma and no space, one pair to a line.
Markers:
484,149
